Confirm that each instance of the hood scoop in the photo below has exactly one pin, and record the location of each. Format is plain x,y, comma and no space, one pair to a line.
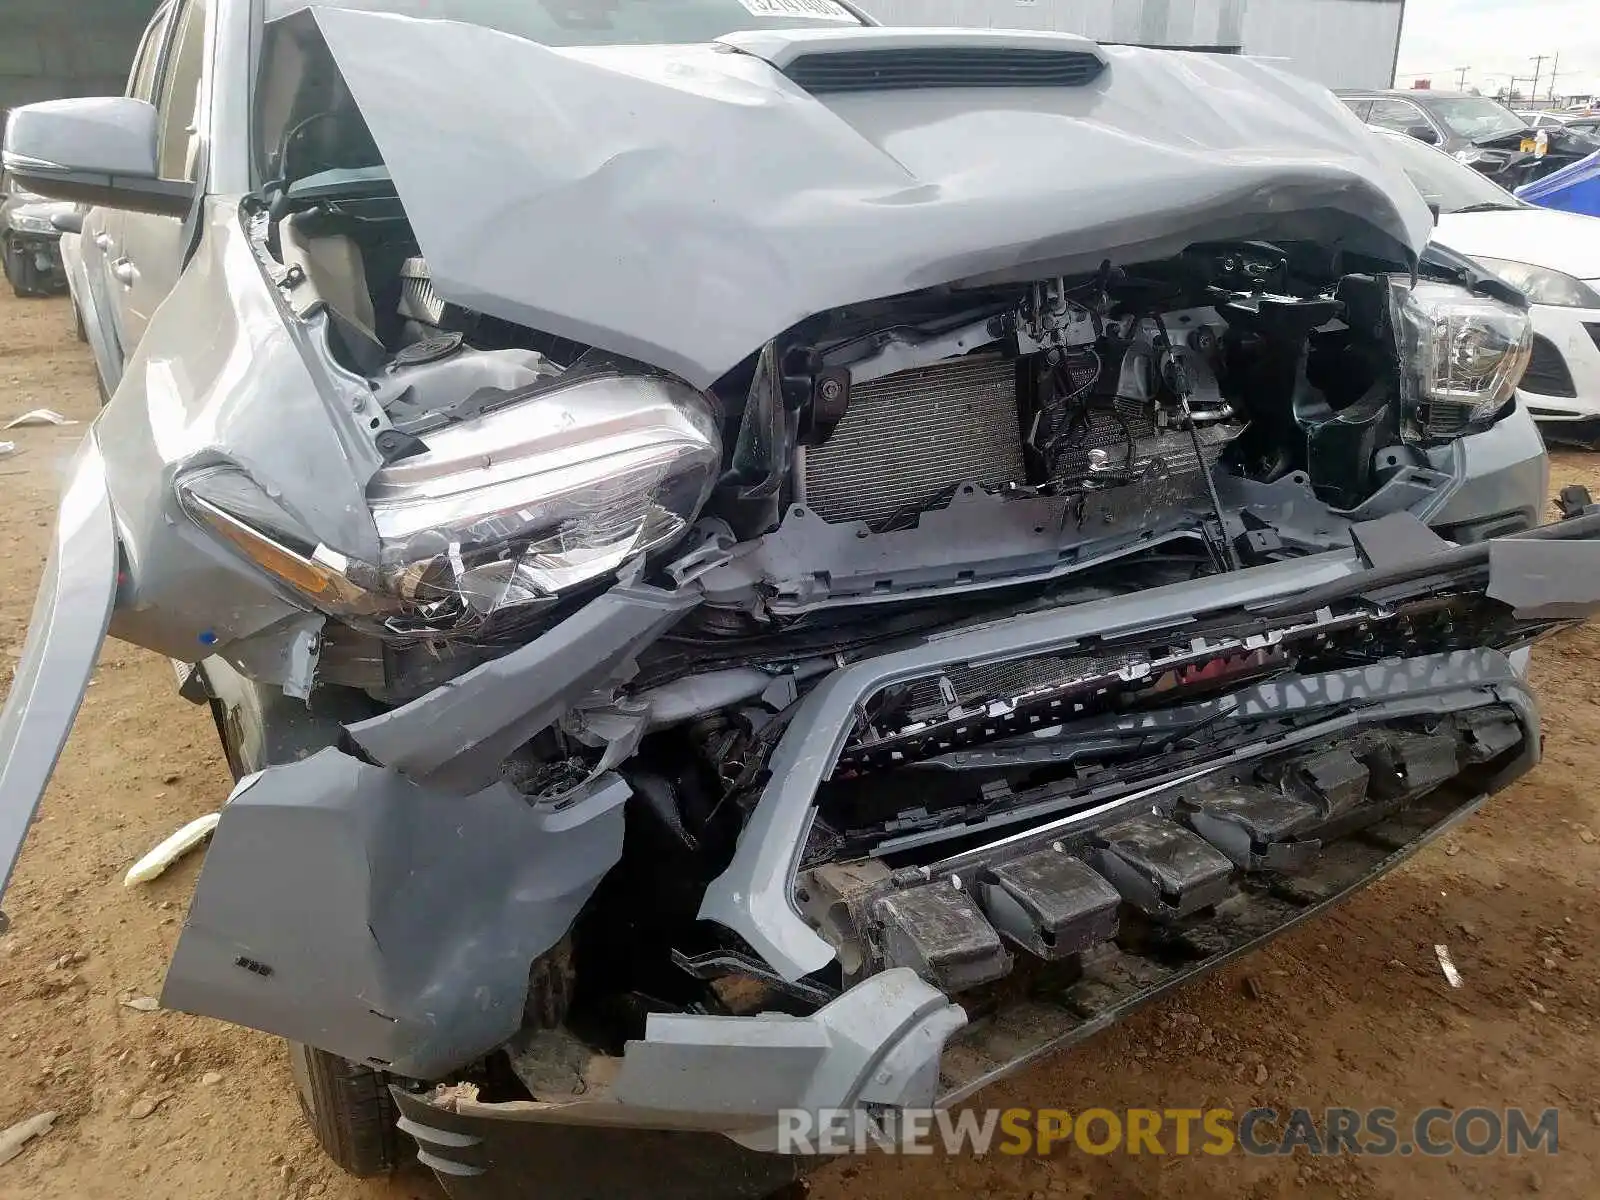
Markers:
875,59
908,69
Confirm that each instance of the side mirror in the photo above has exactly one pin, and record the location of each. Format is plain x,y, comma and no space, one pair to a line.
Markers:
1424,133
68,222
95,150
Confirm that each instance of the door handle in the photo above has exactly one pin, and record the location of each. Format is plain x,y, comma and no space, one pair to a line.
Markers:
125,272
103,240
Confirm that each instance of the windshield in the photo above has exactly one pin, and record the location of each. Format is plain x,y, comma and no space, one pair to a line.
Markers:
1476,117
607,22
1444,182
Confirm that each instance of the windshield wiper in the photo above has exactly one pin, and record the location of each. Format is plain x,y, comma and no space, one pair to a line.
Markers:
1487,206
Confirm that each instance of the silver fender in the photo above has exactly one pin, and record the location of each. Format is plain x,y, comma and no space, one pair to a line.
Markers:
69,623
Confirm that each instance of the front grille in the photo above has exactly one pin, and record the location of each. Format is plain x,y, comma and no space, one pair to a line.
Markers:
1593,330
908,438
1547,372
977,684
943,67
1445,418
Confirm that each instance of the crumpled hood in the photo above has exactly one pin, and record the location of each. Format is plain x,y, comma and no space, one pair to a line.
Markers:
685,204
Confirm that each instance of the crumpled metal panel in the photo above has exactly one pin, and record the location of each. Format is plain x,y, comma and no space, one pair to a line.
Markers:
458,734
221,377
685,204
344,906
1546,577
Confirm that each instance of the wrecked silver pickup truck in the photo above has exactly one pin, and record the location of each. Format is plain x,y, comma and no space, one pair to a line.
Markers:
769,563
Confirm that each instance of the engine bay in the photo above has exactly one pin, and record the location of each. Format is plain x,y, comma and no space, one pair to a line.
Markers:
951,441
1131,378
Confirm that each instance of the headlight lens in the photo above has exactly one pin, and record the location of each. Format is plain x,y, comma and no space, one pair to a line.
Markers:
1544,286
24,222
1461,355
501,514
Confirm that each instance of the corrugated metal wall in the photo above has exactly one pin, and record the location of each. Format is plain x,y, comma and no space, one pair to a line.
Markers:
1342,43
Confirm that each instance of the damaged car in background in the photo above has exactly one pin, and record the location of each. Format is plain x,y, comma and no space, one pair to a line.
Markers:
30,241
817,565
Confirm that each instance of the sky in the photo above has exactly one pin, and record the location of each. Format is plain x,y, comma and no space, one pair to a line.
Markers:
1498,38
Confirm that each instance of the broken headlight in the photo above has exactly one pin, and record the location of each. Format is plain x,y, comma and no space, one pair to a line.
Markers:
500,514
1461,355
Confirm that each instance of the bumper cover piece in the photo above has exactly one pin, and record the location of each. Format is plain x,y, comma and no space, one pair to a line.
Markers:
879,1043
347,907
484,1152
716,1083
69,622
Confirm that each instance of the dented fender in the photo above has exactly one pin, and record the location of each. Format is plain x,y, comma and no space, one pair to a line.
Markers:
70,616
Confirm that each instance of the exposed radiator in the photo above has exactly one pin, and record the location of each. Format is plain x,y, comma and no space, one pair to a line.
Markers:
909,436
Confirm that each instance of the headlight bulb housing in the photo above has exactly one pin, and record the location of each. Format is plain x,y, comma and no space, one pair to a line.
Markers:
501,514
1461,356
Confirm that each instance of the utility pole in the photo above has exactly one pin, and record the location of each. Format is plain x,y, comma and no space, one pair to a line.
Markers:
1538,64
1461,78
1553,68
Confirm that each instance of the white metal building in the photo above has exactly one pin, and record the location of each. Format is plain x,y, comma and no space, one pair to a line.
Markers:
1341,43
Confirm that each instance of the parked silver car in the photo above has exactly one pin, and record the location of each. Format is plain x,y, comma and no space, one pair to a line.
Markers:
748,562
30,241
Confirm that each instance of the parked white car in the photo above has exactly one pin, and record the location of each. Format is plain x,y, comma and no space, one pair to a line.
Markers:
1552,256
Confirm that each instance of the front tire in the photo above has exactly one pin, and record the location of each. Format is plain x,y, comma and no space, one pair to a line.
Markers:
349,1109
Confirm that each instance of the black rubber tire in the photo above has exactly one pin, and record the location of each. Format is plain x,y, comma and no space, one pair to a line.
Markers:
349,1109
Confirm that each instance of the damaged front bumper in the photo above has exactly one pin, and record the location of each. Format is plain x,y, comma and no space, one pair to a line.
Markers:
423,981
645,1127
385,903
895,1040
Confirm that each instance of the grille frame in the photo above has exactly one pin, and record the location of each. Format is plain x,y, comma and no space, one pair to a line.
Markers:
906,68
909,436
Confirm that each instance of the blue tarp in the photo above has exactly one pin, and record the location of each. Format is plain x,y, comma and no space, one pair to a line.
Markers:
1574,188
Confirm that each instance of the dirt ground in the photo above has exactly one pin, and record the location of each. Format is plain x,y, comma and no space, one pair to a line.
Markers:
1350,1010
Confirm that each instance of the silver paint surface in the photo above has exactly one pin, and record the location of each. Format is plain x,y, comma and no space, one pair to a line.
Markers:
685,204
